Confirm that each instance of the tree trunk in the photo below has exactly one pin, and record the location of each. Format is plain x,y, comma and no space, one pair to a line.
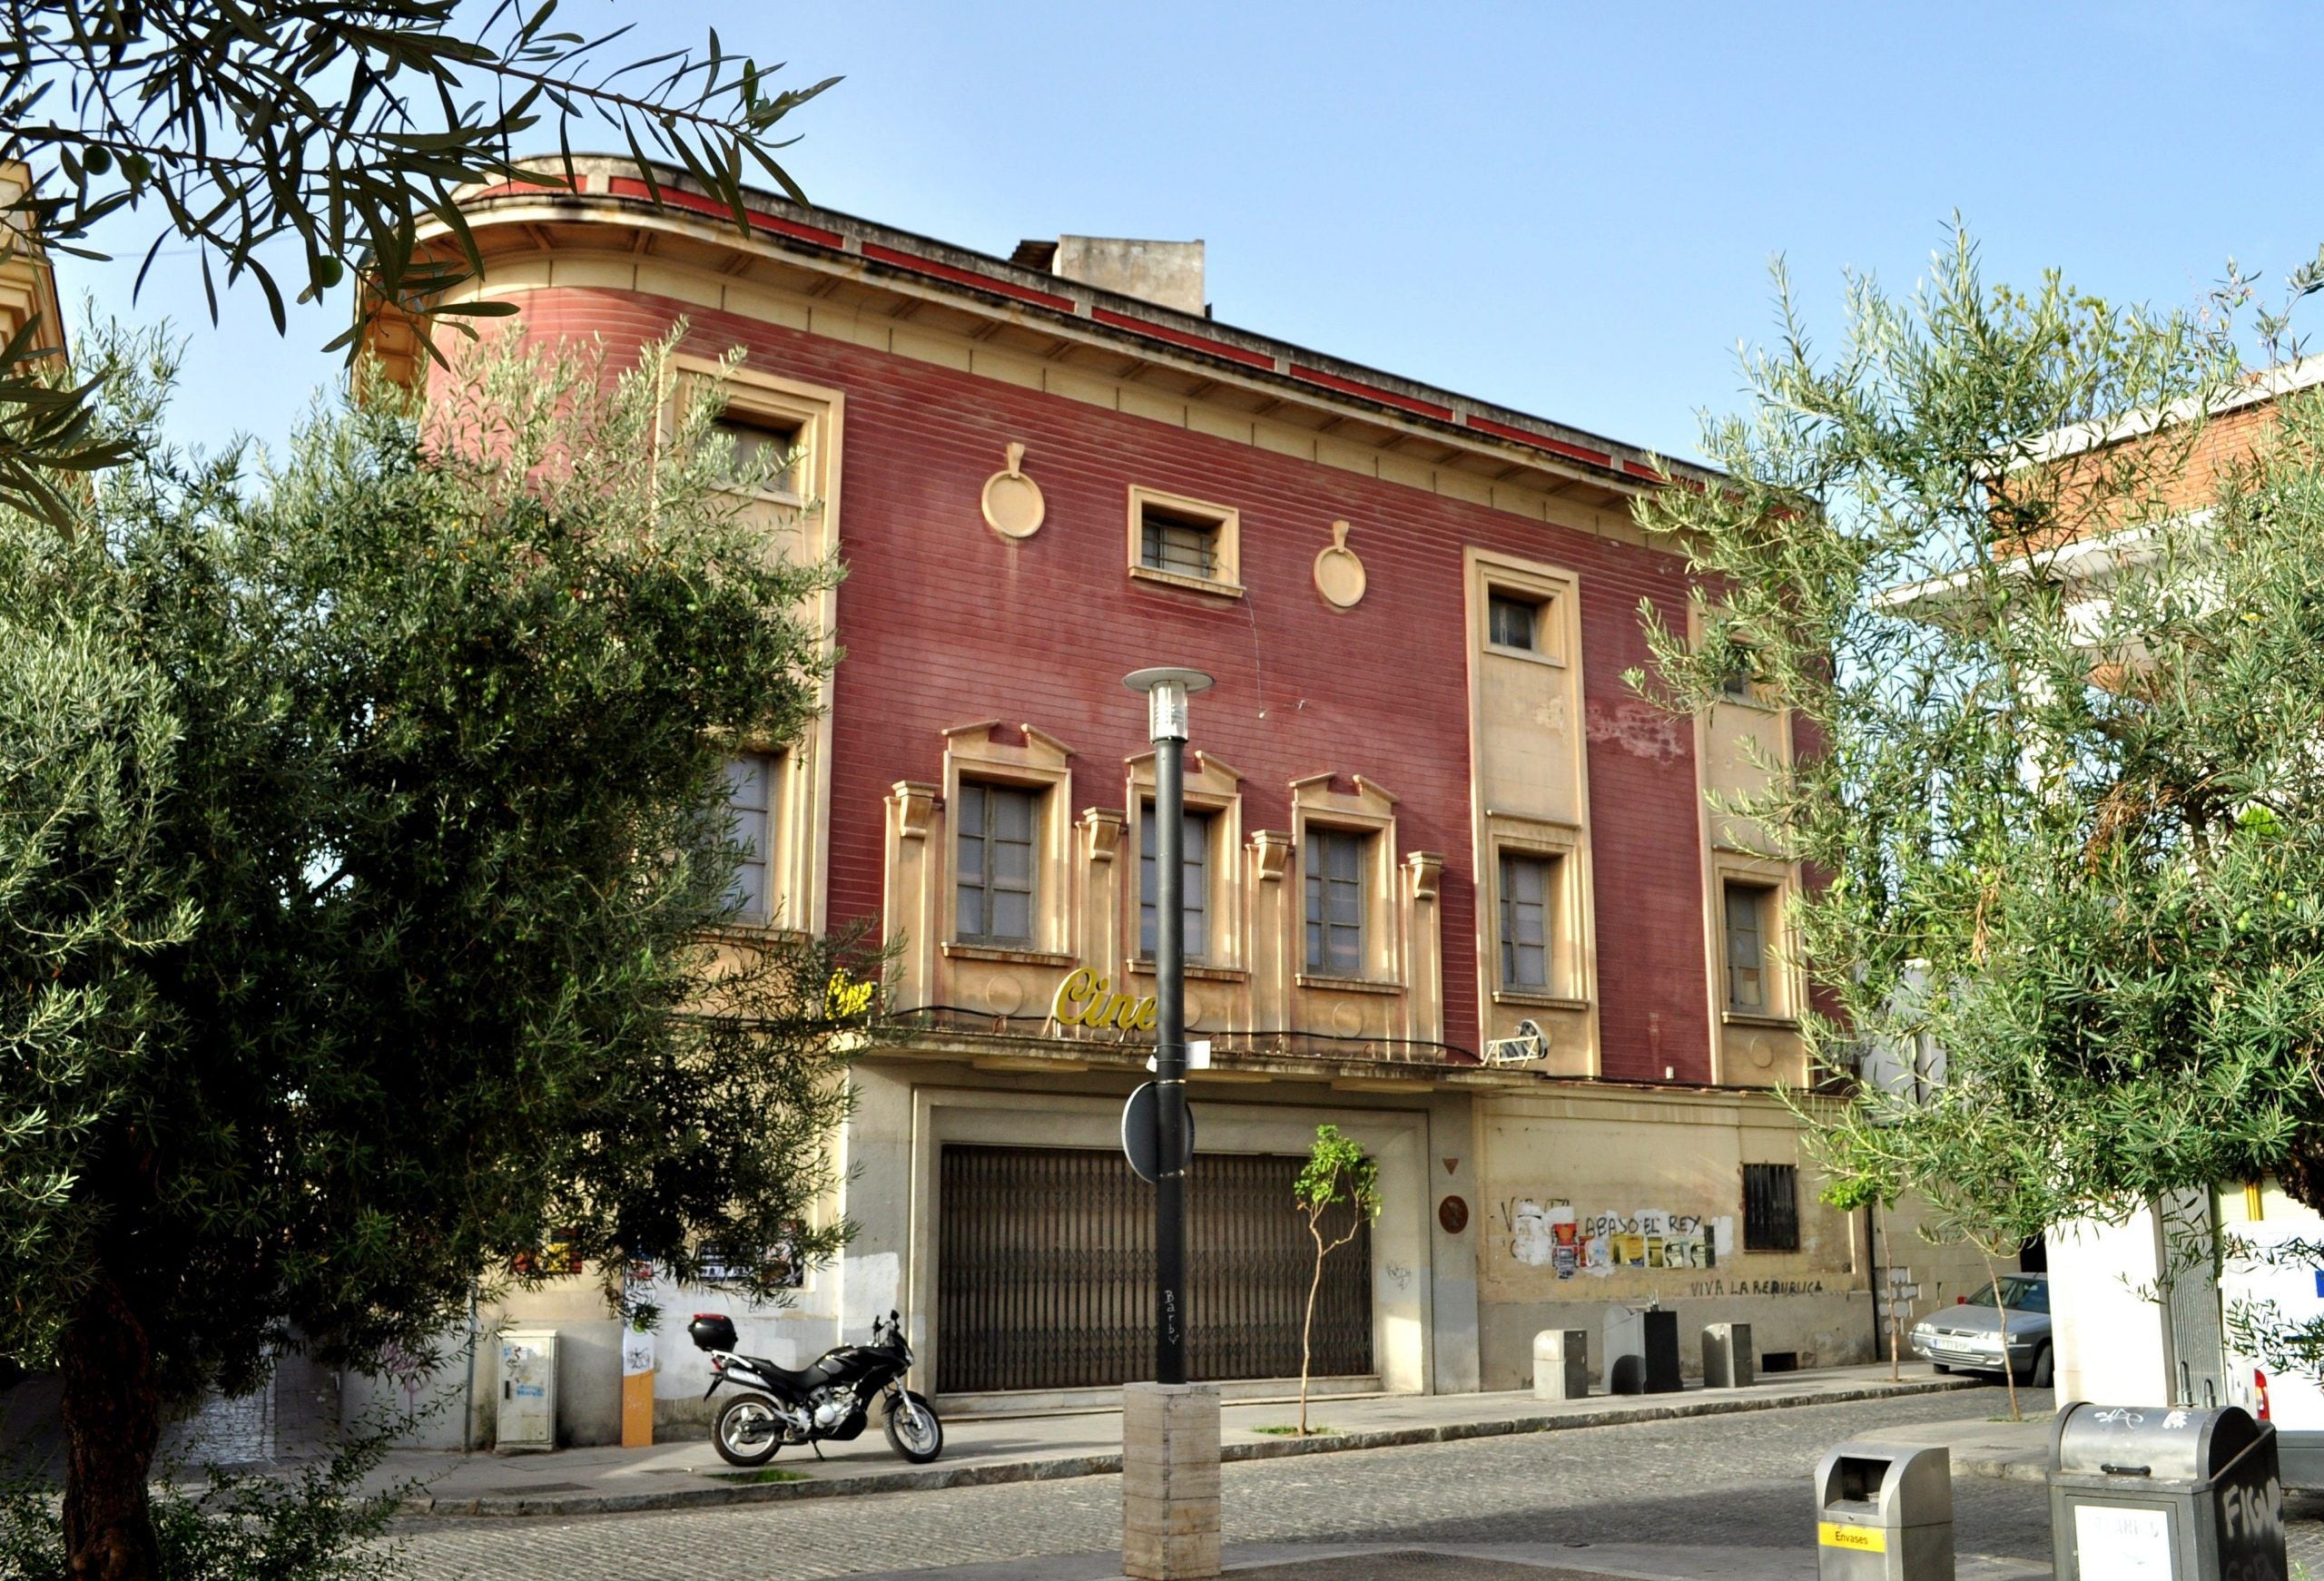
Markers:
1307,1327
111,1413
2001,1317
1888,1272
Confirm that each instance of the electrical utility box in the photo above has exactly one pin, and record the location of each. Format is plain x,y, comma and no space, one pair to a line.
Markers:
527,1390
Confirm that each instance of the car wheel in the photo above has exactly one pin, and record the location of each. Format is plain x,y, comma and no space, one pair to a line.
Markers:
2039,1376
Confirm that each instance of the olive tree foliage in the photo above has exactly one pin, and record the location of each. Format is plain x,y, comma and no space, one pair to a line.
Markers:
319,138
2063,702
364,883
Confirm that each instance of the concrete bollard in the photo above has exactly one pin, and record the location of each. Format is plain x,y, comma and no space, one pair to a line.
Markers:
1170,1482
1728,1360
1562,1364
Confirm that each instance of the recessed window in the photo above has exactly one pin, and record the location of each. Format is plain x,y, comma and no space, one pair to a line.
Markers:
1528,889
1512,623
1749,913
1770,1207
753,797
1335,871
1181,544
993,864
1739,680
1194,884
1184,542
768,449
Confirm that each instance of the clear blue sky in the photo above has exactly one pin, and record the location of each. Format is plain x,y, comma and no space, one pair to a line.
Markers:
1566,208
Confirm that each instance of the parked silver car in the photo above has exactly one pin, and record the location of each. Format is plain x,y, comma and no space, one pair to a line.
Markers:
1968,1338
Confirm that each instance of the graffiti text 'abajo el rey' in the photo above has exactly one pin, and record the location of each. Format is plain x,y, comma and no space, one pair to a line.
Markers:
1553,1234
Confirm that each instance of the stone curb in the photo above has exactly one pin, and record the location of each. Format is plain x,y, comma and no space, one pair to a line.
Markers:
910,1481
2035,1470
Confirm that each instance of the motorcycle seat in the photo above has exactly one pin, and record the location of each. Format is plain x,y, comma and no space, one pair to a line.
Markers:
802,1379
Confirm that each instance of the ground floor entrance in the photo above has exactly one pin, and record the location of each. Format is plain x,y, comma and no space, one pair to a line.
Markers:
1045,1264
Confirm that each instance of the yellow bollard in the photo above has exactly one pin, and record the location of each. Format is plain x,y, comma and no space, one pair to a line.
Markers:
637,1389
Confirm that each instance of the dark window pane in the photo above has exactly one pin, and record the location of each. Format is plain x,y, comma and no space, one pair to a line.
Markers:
1510,622
1194,868
1184,545
1770,1207
1335,901
1746,907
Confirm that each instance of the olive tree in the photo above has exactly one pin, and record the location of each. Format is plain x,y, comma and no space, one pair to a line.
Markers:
364,876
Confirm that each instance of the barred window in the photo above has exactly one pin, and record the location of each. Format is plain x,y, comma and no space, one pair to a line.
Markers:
1182,544
1770,1207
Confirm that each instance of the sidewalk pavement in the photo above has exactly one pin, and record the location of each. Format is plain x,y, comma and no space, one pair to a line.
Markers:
984,1449
1470,1562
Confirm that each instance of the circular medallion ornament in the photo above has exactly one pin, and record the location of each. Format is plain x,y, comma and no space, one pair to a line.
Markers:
1013,505
1339,575
1347,1018
1762,1053
1453,1213
1004,994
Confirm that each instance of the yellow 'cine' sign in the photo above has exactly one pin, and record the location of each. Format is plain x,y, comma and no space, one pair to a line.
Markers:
1860,1539
1084,1000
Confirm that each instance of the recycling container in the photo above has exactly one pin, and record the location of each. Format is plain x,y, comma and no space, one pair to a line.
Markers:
2144,1491
1729,1362
1562,1364
1884,1512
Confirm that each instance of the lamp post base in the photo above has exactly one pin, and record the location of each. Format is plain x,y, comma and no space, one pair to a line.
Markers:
1169,1481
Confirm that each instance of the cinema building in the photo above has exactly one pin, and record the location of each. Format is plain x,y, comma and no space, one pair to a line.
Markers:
1451,885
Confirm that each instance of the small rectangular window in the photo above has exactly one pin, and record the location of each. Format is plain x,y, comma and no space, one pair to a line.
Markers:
1177,543
1512,623
1334,866
766,442
1770,1207
754,795
993,864
1527,895
1193,880
1740,680
1748,910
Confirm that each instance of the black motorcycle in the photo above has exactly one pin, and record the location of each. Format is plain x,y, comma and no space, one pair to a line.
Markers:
831,1398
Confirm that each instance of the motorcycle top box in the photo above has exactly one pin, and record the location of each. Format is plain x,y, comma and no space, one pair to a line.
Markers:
712,1331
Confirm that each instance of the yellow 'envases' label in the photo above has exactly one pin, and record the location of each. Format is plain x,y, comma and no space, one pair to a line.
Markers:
1862,1539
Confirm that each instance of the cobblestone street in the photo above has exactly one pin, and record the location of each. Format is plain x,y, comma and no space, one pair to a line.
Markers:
1736,1482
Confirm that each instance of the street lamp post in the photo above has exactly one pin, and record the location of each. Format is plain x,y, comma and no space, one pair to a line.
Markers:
1167,689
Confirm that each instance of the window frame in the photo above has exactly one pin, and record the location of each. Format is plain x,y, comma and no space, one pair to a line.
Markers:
980,792
1226,521
772,814
1767,902
1508,860
1201,855
771,421
1537,615
1315,928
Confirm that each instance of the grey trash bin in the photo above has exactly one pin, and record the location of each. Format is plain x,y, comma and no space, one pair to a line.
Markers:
1884,1512
1562,1364
2151,1490
1641,1350
1728,1360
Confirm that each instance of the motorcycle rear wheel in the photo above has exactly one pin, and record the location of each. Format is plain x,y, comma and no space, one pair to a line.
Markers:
748,1430
914,1432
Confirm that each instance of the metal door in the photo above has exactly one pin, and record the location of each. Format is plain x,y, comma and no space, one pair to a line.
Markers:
1044,1271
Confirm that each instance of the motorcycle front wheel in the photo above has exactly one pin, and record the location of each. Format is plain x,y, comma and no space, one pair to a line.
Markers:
748,1431
913,1430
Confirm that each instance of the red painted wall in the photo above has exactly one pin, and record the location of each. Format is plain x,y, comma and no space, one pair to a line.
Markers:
944,622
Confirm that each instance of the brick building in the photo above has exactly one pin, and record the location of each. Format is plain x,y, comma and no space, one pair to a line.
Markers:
1429,821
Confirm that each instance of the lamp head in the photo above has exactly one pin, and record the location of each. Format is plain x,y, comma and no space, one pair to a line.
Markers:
1167,689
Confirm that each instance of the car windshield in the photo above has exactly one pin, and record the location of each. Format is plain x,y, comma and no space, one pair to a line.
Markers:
2018,1293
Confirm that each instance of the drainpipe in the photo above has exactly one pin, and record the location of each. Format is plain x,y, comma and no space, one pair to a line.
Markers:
467,1403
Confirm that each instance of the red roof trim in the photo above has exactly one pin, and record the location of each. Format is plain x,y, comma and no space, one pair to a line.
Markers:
631,187
1373,393
1539,441
983,283
1184,338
